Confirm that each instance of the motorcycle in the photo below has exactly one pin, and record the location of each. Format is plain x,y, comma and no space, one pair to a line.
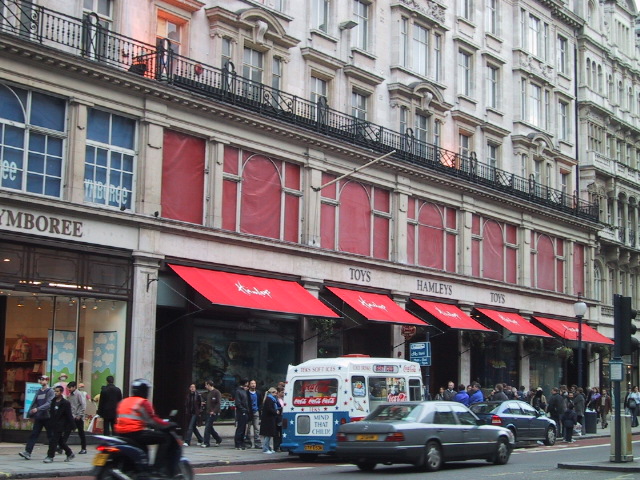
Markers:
119,459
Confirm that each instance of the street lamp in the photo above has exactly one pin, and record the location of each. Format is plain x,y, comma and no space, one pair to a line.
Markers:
580,308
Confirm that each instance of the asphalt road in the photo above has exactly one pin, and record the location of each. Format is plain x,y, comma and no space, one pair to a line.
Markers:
535,463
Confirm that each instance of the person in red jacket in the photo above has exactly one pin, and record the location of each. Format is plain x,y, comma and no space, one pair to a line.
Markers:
137,420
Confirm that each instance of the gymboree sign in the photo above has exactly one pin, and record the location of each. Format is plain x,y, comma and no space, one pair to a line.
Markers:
21,221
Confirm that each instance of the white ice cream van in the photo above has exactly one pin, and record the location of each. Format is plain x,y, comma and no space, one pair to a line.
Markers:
323,393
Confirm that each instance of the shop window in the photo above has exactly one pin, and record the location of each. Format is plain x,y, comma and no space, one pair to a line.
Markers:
80,338
110,160
32,141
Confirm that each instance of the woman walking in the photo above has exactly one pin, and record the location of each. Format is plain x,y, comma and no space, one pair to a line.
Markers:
268,421
633,403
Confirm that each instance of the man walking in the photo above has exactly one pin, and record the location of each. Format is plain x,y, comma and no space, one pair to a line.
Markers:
40,413
60,423
212,409
242,414
556,408
78,403
110,396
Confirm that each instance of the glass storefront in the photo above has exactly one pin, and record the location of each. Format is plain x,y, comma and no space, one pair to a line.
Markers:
495,362
68,338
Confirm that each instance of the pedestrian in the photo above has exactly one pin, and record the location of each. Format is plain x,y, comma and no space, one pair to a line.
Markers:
255,407
556,408
212,410
569,420
579,403
39,411
193,405
277,440
633,403
498,393
605,408
268,419
450,393
60,422
440,394
78,401
462,396
539,401
476,394
110,396
242,414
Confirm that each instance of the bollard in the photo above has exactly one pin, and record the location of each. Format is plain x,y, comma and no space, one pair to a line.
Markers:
626,446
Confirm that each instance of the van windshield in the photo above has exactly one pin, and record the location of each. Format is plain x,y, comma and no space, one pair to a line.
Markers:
315,392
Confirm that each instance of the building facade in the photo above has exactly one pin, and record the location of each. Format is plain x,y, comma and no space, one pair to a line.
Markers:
194,189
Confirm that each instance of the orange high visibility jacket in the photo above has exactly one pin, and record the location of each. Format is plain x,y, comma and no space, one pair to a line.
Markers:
135,414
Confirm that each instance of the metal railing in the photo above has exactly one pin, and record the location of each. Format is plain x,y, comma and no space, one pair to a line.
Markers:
88,38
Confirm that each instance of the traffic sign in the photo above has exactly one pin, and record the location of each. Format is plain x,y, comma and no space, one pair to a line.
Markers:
420,352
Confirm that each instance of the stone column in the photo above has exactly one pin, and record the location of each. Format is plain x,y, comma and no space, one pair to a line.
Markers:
215,169
397,339
309,341
465,229
77,150
464,359
524,363
313,204
399,251
525,254
143,314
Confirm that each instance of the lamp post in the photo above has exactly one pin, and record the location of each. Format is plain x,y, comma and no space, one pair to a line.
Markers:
580,308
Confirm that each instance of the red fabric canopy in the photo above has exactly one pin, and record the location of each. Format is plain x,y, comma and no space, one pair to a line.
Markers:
451,315
376,307
513,322
569,331
258,293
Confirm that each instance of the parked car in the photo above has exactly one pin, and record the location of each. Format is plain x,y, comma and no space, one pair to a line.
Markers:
526,423
425,434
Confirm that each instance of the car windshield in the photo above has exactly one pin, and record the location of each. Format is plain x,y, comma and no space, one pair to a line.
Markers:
394,413
484,407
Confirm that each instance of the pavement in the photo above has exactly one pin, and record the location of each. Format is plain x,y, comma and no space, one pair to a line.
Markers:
13,466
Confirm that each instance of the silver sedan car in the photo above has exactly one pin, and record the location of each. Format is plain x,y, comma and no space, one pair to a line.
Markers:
426,434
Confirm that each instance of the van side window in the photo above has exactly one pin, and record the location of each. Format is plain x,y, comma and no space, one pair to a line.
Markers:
415,390
358,386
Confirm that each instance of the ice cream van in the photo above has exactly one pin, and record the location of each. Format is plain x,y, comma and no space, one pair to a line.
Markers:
323,393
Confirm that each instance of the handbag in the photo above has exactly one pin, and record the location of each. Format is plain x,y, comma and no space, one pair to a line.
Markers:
632,403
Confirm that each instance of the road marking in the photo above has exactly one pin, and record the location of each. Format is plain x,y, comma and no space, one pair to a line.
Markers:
292,468
219,473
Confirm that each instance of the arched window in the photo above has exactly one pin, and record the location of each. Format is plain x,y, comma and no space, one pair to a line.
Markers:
600,80
620,94
589,73
597,283
594,77
610,91
591,12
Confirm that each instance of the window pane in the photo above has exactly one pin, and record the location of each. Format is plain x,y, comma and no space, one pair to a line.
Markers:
123,132
48,112
98,126
11,104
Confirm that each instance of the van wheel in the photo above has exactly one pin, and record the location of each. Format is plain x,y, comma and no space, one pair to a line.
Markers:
366,466
308,457
432,457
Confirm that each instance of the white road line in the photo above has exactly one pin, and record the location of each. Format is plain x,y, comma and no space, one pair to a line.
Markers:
292,468
219,473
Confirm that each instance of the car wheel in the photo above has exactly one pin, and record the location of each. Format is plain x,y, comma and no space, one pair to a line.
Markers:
433,457
366,466
550,436
503,451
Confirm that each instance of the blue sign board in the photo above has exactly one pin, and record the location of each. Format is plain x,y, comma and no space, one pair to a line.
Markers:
420,352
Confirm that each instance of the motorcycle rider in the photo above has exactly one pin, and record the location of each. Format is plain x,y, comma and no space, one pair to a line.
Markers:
137,420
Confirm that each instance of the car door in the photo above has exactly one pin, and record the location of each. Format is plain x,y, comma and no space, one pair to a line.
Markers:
475,441
513,415
536,425
448,431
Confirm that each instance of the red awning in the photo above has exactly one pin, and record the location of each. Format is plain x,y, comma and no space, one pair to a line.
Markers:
569,331
513,322
376,307
451,315
258,293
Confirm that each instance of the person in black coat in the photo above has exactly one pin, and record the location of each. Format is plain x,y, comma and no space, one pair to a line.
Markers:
242,413
569,420
110,396
193,406
60,423
269,419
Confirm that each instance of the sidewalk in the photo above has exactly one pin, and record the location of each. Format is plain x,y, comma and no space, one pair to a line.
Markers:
13,466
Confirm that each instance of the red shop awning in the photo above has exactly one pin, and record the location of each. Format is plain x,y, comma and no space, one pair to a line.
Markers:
451,315
569,331
376,307
513,322
257,293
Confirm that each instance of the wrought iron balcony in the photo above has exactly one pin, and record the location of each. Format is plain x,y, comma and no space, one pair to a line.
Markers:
88,39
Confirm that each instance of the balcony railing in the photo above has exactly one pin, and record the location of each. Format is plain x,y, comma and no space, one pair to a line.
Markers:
90,40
